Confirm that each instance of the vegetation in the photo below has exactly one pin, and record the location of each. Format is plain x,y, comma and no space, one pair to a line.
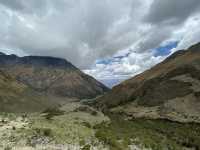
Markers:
86,147
85,130
51,112
152,134
43,132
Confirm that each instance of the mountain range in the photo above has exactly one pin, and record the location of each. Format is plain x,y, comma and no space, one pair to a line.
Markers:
46,102
170,90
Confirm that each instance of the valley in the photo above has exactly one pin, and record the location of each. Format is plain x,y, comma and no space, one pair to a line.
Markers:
46,103
79,127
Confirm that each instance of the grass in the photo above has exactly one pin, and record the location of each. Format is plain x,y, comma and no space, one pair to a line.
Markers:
86,130
153,134
53,126
62,129
65,128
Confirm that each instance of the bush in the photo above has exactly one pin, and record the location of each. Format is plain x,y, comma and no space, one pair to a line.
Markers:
7,148
44,132
86,109
86,147
51,112
87,124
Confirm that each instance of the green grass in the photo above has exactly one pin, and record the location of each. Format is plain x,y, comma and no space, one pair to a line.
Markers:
63,129
154,134
118,134
70,128
54,126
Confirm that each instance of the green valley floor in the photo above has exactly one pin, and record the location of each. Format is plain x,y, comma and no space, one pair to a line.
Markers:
75,126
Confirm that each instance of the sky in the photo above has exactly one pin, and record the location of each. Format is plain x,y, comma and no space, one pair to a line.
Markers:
112,40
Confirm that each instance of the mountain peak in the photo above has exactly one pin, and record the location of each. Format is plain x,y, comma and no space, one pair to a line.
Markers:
43,61
1,53
46,61
51,75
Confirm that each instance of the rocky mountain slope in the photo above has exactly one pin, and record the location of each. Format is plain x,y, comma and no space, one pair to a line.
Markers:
17,97
170,90
31,83
53,76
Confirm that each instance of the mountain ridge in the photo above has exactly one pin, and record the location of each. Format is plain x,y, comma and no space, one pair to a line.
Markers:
50,78
175,81
46,61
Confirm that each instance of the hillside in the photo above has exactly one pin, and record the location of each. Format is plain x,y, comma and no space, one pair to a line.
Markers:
33,83
142,115
170,90
53,76
18,97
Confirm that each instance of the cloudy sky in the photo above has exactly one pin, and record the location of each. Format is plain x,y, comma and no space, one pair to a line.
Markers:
111,40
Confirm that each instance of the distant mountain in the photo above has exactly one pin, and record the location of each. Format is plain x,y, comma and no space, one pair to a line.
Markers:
111,82
50,77
170,90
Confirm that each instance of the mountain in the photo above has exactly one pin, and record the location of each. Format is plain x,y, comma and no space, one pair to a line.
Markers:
35,82
51,75
18,97
170,90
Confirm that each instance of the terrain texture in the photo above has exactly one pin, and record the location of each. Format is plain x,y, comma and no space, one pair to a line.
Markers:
48,104
170,90
35,82
75,126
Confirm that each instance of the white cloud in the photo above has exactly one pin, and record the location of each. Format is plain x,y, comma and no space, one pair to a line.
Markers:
80,31
121,69
86,31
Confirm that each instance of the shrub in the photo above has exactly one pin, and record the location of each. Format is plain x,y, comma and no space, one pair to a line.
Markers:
51,112
43,132
7,148
86,147
87,124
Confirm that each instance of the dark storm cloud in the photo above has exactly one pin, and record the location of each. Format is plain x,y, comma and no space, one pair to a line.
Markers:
165,18
83,31
26,6
172,11
77,30
13,4
154,38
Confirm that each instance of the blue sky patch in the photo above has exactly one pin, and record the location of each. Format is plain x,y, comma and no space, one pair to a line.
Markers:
107,61
165,50
104,61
